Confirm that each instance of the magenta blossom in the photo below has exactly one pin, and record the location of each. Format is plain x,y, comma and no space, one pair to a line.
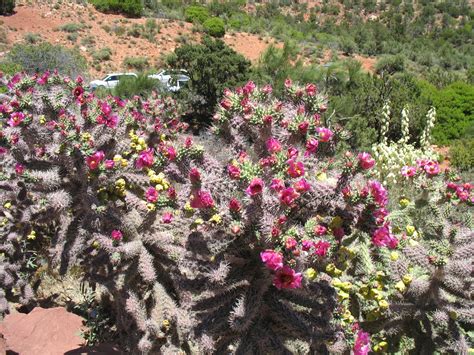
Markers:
325,134
226,104
295,169
311,89
378,192
167,217
272,259
255,187
288,196
19,168
408,171
267,89
109,164
233,171
321,247
273,145
431,168
145,159
311,146
320,230
234,205
16,118
194,175
151,195
290,243
383,238
366,161
116,235
93,161
286,277
362,343
302,185
306,245
277,185
201,199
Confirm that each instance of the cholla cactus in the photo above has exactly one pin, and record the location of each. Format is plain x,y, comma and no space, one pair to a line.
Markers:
77,187
432,303
405,126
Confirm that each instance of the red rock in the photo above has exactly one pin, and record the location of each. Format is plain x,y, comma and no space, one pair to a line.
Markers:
52,331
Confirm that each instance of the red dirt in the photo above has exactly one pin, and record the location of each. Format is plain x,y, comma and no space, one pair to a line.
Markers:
43,19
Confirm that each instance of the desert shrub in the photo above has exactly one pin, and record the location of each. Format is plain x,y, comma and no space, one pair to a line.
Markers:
45,56
9,68
197,14
138,63
102,54
213,66
32,38
215,27
390,64
132,8
462,154
143,86
7,7
72,27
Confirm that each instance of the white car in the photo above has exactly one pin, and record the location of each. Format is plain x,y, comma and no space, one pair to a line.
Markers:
172,80
110,80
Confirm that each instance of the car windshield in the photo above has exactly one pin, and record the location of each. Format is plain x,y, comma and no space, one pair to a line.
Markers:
105,77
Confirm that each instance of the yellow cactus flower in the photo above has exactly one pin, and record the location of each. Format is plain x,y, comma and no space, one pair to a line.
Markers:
150,206
400,286
407,279
311,273
7,205
394,256
336,282
95,244
31,236
217,218
404,202
321,176
410,230
342,295
383,304
117,158
198,221
124,163
42,119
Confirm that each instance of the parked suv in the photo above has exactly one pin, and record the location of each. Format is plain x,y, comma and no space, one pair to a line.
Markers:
110,80
173,79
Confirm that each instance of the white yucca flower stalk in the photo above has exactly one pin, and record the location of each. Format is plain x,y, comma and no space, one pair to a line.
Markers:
405,125
425,138
385,122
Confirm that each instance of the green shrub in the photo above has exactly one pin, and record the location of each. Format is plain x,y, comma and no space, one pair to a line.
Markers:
214,27
72,27
32,38
10,68
143,86
196,14
132,8
45,56
138,63
212,66
390,64
102,54
462,154
7,7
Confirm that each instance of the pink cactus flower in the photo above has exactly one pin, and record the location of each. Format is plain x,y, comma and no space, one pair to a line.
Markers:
16,118
311,89
93,161
366,161
311,146
408,171
151,195
378,192
320,230
170,153
145,159
321,248
290,243
255,187
302,185
116,235
267,89
288,196
272,259
249,88
286,277
167,217
288,83
383,238
306,245
226,104
295,169
277,185
273,145
431,168
19,168
234,205
292,153
109,164
325,134
201,199
303,127
362,343
233,171
195,175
